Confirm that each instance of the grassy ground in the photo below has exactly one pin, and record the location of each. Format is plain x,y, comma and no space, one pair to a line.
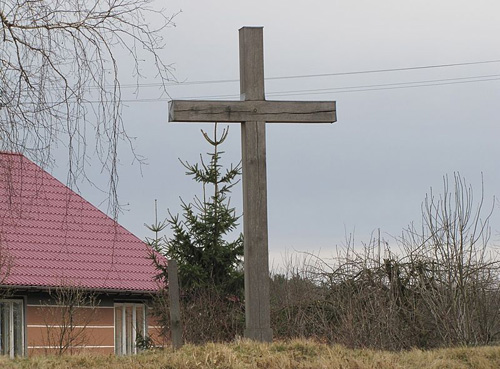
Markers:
283,355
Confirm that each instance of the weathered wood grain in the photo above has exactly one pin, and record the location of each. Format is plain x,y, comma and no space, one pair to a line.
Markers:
260,111
175,306
255,230
252,64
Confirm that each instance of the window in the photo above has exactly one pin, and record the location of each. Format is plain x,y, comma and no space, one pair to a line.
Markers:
130,326
11,328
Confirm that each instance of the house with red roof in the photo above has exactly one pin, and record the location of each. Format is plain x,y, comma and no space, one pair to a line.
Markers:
73,278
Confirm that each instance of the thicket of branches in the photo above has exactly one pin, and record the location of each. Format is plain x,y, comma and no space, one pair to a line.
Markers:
440,285
439,288
59,75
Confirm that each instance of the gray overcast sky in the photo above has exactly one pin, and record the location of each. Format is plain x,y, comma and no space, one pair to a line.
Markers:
374,166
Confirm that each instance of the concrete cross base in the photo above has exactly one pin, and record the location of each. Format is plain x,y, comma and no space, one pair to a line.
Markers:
259,334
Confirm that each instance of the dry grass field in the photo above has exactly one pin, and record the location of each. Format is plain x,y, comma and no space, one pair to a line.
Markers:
297,354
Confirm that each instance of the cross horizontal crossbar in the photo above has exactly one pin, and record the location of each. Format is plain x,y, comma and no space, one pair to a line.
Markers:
260,111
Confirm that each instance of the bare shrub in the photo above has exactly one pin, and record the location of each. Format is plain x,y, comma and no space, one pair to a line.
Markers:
458,279
67,315
357,298
298,300
207,316
438,287
210,316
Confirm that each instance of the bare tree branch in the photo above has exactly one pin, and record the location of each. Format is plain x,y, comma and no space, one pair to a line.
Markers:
59,77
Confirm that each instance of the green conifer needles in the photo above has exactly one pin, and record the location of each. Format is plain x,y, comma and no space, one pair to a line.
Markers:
199,242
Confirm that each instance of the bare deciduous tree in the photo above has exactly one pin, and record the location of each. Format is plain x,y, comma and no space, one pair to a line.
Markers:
59,79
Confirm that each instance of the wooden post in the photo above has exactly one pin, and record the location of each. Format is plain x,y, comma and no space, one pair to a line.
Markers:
253,147
253,111
175,308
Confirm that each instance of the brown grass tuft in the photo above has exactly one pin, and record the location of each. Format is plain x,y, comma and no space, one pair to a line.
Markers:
295,354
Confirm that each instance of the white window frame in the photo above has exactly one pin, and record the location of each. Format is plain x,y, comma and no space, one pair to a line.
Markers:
121,347
12,349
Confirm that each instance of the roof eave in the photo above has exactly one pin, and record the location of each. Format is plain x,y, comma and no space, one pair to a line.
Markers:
96,290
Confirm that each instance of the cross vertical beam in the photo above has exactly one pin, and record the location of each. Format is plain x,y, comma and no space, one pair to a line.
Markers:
253,146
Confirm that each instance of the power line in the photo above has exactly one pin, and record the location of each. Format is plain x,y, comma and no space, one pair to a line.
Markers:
337,90
387,70
346,89
396,87
386,86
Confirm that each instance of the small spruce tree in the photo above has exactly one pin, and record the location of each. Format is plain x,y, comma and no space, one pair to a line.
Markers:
206,259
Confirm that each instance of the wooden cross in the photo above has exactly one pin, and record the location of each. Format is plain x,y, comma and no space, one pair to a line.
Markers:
253,111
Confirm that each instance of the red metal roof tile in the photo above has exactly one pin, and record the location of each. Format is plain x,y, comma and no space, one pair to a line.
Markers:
55,237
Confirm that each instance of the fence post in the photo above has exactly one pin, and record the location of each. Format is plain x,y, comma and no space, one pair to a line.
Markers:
175,309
